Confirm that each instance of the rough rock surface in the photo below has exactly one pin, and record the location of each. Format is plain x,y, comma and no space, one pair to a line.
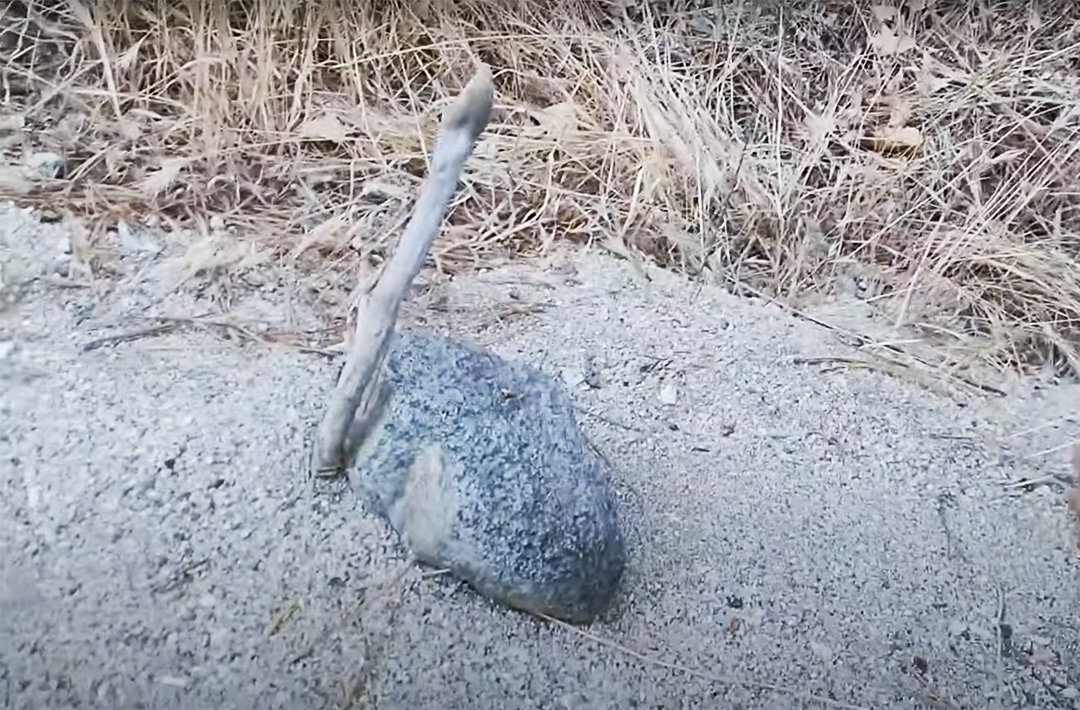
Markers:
480,466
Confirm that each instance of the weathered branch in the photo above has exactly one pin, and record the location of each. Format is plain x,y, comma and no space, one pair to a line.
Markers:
354,398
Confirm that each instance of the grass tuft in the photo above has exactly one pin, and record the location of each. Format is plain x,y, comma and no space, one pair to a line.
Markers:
928,149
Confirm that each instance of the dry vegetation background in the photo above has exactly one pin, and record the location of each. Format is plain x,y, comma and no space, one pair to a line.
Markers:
922,154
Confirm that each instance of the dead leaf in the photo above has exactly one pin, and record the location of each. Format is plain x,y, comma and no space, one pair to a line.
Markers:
1009,156
129,57
333,234
905,139
900,111
383,191
1034,20
930,77
327,127
116,161
81,13
154,183
212,254
883,13
557,120
887,43
819,127
129,129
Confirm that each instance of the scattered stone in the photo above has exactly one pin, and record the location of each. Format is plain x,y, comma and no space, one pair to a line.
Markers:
46,164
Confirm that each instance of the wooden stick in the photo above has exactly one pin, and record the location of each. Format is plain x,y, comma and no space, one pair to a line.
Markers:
354,398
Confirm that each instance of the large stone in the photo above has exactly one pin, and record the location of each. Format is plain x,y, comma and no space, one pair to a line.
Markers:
481,468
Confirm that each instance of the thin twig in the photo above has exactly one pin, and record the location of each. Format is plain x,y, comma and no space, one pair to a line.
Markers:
1033,482
129,336
213,323
607,420
169,324
748,684
863,341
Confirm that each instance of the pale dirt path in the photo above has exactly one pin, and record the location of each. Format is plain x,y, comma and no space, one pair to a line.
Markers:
834,532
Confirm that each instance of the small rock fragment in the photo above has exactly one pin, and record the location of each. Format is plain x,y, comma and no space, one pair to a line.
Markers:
46,164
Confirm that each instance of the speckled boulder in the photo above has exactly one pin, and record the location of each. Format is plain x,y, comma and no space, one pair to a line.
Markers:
479,465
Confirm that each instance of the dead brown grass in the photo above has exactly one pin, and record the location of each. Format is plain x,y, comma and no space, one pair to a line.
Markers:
929,148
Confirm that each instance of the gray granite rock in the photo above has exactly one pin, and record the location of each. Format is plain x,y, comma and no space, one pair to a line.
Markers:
479,465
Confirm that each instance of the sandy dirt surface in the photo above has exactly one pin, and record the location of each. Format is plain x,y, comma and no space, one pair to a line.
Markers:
801,533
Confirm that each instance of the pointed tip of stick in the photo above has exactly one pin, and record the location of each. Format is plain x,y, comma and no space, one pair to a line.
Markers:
471,111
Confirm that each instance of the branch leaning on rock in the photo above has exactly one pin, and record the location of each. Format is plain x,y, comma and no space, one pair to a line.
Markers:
357,396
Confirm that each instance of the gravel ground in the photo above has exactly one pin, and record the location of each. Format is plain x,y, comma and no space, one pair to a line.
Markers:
799,533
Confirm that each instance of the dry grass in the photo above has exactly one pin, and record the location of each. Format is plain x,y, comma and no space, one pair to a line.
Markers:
793,148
